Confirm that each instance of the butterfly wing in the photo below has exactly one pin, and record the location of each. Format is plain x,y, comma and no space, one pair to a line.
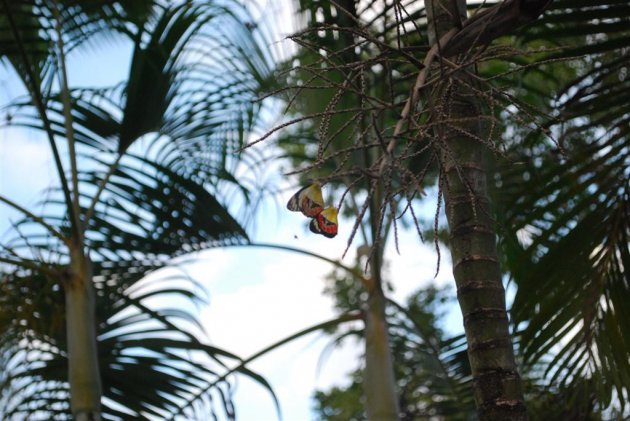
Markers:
294,203
308,200
325,223
314,226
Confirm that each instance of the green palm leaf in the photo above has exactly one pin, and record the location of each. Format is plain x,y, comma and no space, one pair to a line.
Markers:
150,363
570,208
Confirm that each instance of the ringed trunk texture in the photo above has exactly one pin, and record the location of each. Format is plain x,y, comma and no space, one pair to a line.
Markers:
83,368
496,382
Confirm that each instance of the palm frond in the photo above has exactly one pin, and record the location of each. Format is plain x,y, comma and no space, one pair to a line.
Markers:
566,206
570,269
151,358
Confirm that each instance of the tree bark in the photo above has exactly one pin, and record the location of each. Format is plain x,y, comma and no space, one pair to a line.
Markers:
472,236
379,383
83,368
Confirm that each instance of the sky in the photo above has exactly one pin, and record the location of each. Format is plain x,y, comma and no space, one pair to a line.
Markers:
257,296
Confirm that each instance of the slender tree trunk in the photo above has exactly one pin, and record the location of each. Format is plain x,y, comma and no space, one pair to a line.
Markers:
496,382
83,368
379,381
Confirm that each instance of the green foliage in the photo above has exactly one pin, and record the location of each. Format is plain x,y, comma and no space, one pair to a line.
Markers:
575,403
434,376
564,207
27,29
152,360
341,404
338,72
157,163
431,368
348,292
561,121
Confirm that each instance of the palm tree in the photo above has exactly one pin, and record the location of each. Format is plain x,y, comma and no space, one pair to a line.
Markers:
123,209
571,269
431,367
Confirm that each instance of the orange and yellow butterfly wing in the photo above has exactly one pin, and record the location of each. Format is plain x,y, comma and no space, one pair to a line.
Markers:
325,223
308,200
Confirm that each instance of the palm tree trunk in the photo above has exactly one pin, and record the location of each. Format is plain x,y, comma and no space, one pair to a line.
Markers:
496,382
83,368
379,383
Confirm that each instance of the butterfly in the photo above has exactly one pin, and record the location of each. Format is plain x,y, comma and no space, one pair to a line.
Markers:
325,223
308,200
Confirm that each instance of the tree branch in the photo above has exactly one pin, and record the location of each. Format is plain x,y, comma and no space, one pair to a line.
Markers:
35,218
28,264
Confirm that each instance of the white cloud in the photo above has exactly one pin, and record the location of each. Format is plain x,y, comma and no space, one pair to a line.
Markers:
26,164
283,297
280,298
263,295
25,171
